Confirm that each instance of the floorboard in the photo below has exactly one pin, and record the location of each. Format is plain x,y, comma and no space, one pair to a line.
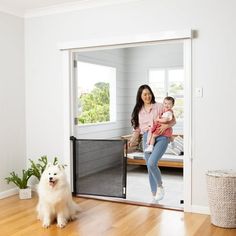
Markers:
97,217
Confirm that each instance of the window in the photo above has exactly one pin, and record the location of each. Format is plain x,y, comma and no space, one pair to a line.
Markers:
169,82
96,86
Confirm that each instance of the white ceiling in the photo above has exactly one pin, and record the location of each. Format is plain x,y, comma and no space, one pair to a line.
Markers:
32,8
29,8
25,5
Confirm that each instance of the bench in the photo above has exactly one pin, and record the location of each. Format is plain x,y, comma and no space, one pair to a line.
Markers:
135,156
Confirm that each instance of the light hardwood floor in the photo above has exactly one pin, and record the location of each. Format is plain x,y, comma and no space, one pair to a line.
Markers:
103,218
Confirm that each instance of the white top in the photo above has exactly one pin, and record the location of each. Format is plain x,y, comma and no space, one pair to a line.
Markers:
168,115
222,173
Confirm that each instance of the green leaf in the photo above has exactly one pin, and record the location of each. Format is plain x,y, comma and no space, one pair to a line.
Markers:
95,105
20,182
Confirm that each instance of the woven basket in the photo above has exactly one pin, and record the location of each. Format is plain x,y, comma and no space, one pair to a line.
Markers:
221,186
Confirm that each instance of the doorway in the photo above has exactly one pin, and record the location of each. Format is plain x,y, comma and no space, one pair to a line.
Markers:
106,128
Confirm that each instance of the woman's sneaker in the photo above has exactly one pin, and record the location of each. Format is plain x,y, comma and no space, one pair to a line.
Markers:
160,193
154,201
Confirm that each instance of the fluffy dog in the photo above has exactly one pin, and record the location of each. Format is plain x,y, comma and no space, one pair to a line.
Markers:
55,199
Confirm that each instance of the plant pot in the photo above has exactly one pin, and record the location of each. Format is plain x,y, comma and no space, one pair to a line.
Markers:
25,193
36,186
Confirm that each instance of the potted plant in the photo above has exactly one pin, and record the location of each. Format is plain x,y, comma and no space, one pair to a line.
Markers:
21,183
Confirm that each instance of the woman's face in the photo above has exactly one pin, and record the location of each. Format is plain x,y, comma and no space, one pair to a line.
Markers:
146,96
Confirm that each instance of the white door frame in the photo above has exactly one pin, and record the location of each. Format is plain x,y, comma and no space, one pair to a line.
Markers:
68,91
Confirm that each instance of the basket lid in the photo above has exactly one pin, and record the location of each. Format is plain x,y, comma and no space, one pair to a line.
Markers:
221,173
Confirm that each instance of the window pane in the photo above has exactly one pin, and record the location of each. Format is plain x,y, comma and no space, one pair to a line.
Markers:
178,108
176,90
157,83
176,82
94,84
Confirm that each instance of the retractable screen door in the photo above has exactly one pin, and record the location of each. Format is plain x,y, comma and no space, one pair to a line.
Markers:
99,167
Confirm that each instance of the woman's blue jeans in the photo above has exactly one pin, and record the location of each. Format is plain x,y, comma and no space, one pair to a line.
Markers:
154,172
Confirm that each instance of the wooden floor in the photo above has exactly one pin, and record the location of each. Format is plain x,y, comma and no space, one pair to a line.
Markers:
103,218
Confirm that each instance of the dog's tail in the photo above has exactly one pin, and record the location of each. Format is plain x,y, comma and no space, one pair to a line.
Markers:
74,210
76,207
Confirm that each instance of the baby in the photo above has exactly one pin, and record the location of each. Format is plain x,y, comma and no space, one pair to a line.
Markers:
167,116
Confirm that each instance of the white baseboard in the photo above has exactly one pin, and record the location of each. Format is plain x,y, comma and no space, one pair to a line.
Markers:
200,209
8,193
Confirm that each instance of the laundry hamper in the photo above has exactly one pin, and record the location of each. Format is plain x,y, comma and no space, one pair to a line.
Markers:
221,186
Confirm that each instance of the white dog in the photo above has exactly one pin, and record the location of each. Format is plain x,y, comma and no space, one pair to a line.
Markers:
55,199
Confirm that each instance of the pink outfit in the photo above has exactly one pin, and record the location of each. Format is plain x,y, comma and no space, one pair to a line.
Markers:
153,129
168,132
146,118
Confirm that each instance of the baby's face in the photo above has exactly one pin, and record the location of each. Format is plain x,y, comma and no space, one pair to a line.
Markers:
167,104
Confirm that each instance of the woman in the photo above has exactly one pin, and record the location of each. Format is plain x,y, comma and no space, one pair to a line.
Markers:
145,112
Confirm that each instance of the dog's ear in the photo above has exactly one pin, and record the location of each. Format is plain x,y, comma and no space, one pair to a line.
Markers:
60,167
48,165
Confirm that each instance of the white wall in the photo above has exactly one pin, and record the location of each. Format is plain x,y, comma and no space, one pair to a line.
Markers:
12,99
213,69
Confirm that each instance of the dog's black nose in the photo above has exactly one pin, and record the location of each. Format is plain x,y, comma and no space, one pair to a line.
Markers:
50,178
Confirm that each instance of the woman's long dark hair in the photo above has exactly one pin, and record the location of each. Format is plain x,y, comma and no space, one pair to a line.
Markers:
139,104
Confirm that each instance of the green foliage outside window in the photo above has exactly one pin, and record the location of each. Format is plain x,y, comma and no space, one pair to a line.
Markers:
95,105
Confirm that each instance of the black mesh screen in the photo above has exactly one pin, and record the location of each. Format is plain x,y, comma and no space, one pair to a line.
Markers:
100,167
